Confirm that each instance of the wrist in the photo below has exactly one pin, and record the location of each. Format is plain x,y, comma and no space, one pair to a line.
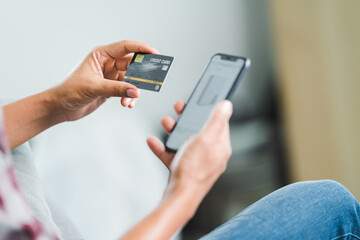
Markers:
28,117
51,106
187,195
175,210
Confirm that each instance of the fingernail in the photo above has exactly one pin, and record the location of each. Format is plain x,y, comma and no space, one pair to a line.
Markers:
131,93
127,101
226,108
132,104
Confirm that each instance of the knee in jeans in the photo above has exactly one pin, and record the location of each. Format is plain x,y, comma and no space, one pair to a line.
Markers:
335,196
329,191
334,190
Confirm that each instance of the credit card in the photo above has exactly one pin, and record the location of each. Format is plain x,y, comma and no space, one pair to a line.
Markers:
148,71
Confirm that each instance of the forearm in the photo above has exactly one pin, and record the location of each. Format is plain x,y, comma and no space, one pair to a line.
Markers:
28,117
172,214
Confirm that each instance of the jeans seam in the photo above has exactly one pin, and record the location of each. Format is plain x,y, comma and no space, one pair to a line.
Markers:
346,235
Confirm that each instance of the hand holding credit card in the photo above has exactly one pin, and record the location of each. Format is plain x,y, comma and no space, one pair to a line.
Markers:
148,71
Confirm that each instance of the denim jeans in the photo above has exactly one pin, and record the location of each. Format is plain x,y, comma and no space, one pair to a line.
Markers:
306,210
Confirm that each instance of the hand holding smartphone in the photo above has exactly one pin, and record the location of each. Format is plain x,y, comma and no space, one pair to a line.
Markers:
218,82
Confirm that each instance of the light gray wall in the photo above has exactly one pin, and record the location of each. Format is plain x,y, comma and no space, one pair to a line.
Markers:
42,41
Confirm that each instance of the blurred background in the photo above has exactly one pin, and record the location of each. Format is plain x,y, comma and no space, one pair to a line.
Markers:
296,113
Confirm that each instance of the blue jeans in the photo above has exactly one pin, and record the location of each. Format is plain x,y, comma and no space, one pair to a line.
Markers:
306,210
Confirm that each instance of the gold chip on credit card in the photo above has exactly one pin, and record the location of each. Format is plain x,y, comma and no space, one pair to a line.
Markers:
139,58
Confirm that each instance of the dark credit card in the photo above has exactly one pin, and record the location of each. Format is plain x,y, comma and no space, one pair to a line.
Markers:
148,71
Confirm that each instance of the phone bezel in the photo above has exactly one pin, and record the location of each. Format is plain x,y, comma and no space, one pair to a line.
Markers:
242,71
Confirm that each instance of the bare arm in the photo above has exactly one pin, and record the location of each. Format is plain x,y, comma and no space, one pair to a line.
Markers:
29,116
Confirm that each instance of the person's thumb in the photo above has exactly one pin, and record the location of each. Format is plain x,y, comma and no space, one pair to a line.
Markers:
112,88
219,118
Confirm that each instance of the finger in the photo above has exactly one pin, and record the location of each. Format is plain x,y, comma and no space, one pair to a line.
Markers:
111,88
133,102
158,148
219,119
114,67
121,75
179,106
125,101
123,63
168,123
110,72
119,49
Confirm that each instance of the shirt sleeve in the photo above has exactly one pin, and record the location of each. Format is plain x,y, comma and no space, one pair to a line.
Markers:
16,218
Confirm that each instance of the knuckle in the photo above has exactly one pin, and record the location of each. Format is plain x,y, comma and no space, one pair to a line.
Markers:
199,142
93,86
218,116
220,161
202,141
96,52
117,91
223,166
125,42
228,151
96,49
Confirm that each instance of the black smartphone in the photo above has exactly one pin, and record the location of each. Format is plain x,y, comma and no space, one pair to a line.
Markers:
218,82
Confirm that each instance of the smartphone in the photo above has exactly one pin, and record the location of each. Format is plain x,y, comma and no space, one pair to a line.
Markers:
218,82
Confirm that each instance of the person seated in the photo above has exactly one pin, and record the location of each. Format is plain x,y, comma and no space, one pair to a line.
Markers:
306,210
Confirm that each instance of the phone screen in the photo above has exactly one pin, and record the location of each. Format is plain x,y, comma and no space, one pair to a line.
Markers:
218,81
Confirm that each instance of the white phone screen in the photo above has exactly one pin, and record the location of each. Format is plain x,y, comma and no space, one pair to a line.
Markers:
214,86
